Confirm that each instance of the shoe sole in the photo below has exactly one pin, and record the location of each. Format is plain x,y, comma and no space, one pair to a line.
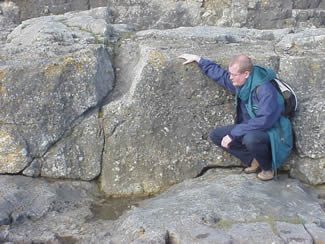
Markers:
265,179
251,171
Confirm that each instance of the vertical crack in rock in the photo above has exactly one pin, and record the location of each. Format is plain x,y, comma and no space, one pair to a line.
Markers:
118,124
101,132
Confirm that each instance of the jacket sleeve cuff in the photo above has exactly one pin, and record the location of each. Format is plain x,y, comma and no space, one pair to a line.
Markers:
202,61
231,137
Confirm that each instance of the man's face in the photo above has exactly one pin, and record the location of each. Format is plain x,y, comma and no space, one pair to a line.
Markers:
237,78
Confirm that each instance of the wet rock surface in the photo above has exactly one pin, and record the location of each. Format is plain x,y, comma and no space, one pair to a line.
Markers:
222,206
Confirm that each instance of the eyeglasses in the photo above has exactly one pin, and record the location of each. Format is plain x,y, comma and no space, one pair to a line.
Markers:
232,74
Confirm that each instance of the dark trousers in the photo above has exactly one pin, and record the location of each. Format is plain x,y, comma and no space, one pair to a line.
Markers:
255,144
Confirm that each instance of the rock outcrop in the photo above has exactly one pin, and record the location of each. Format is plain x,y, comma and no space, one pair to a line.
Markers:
256,14
151,14
9,19
54,73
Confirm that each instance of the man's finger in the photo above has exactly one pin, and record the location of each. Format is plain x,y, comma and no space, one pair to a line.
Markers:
182,56
187,61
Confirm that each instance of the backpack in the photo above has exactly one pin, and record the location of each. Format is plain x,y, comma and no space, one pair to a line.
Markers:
289,96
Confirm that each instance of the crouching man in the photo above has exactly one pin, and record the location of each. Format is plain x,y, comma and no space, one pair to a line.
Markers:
261,137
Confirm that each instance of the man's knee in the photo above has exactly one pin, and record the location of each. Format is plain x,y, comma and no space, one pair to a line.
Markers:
254,138
249,139
215,136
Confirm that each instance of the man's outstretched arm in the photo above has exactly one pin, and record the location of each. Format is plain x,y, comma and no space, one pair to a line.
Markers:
212,70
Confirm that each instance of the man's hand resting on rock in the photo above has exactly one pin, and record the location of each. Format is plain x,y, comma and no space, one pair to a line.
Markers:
189,58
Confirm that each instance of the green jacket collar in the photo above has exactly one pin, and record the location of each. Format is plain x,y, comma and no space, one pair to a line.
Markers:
259,76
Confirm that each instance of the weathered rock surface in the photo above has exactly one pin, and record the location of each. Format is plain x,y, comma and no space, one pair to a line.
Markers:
231,13
9,18
307,76
223,206
308,170
37,8
78,156
34,210
54,72
150,14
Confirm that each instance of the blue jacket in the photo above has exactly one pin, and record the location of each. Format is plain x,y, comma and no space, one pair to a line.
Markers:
257,109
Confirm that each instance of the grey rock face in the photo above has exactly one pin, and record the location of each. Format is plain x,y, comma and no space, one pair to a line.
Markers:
14,155
236,13
306,75
34,210
308,170
9,18
145,14
156,14
79,155
301,64
53,73
224,207
37,8
18,202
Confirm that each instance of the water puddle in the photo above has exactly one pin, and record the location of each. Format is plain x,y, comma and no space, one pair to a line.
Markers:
112,208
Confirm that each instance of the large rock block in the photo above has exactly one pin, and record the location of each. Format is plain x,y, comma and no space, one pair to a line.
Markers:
261,14
53,72
156,14
158,123
77,156
302,58
308,170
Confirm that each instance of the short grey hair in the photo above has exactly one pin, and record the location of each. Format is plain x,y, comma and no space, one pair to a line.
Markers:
244,63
